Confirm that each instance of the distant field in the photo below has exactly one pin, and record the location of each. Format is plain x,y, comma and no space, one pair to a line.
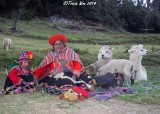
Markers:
33,35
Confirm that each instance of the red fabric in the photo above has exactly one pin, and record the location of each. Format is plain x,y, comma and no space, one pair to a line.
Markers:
77,66
80,98
40,71
82,91
13,75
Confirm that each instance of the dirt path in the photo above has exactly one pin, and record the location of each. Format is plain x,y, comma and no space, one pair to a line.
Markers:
38,103
90,106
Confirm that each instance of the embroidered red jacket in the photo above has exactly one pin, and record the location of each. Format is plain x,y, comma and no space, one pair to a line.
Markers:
16,72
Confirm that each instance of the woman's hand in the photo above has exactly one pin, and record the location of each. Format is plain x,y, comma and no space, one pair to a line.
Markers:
76,73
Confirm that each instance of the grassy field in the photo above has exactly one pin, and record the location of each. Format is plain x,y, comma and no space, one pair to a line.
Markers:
33,35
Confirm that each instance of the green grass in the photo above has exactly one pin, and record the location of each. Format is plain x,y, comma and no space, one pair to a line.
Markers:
33,36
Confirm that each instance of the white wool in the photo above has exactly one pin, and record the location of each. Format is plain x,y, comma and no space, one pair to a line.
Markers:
136,54
104,56
105,52
120,66
99,63
7,42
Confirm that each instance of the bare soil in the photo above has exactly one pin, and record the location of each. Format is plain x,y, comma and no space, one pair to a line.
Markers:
90,106
44,103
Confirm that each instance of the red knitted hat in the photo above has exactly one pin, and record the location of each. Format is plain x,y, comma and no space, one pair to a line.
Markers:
24,56
56,37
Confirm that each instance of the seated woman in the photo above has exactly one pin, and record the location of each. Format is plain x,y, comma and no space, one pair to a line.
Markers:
61,59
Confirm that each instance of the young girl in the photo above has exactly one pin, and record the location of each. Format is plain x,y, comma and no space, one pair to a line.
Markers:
20,77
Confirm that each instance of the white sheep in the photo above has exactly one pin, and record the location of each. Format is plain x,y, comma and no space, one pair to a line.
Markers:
104,56
7,42
105,52
120,66
136,54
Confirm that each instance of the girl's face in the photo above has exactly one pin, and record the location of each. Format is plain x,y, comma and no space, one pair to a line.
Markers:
58,46
25,63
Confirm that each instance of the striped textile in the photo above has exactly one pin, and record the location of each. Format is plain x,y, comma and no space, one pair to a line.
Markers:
29,87
67,55
24,87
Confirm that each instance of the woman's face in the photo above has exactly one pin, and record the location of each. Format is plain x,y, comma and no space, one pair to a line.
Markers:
58,46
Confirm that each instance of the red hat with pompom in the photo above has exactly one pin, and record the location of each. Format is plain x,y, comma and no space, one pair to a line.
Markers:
56,37
28,55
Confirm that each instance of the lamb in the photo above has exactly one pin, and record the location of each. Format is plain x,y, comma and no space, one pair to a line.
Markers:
104,56
136,54
7,42
120,66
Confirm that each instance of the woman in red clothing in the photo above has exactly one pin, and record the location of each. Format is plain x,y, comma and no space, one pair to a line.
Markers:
20,77
60,59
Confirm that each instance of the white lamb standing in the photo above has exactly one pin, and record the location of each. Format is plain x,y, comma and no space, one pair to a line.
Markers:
7,42
121,66
104,56
136,54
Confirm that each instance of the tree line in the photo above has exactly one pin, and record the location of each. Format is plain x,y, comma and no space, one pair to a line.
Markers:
132,15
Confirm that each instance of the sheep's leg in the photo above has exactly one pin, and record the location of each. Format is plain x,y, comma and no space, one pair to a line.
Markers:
4,47
7,47
132,76
132,80
128,75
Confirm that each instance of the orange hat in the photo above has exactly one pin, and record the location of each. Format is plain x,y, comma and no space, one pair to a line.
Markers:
56,37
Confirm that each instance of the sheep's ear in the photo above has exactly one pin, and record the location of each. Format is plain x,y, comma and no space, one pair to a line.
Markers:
111,48
140,45
131,51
